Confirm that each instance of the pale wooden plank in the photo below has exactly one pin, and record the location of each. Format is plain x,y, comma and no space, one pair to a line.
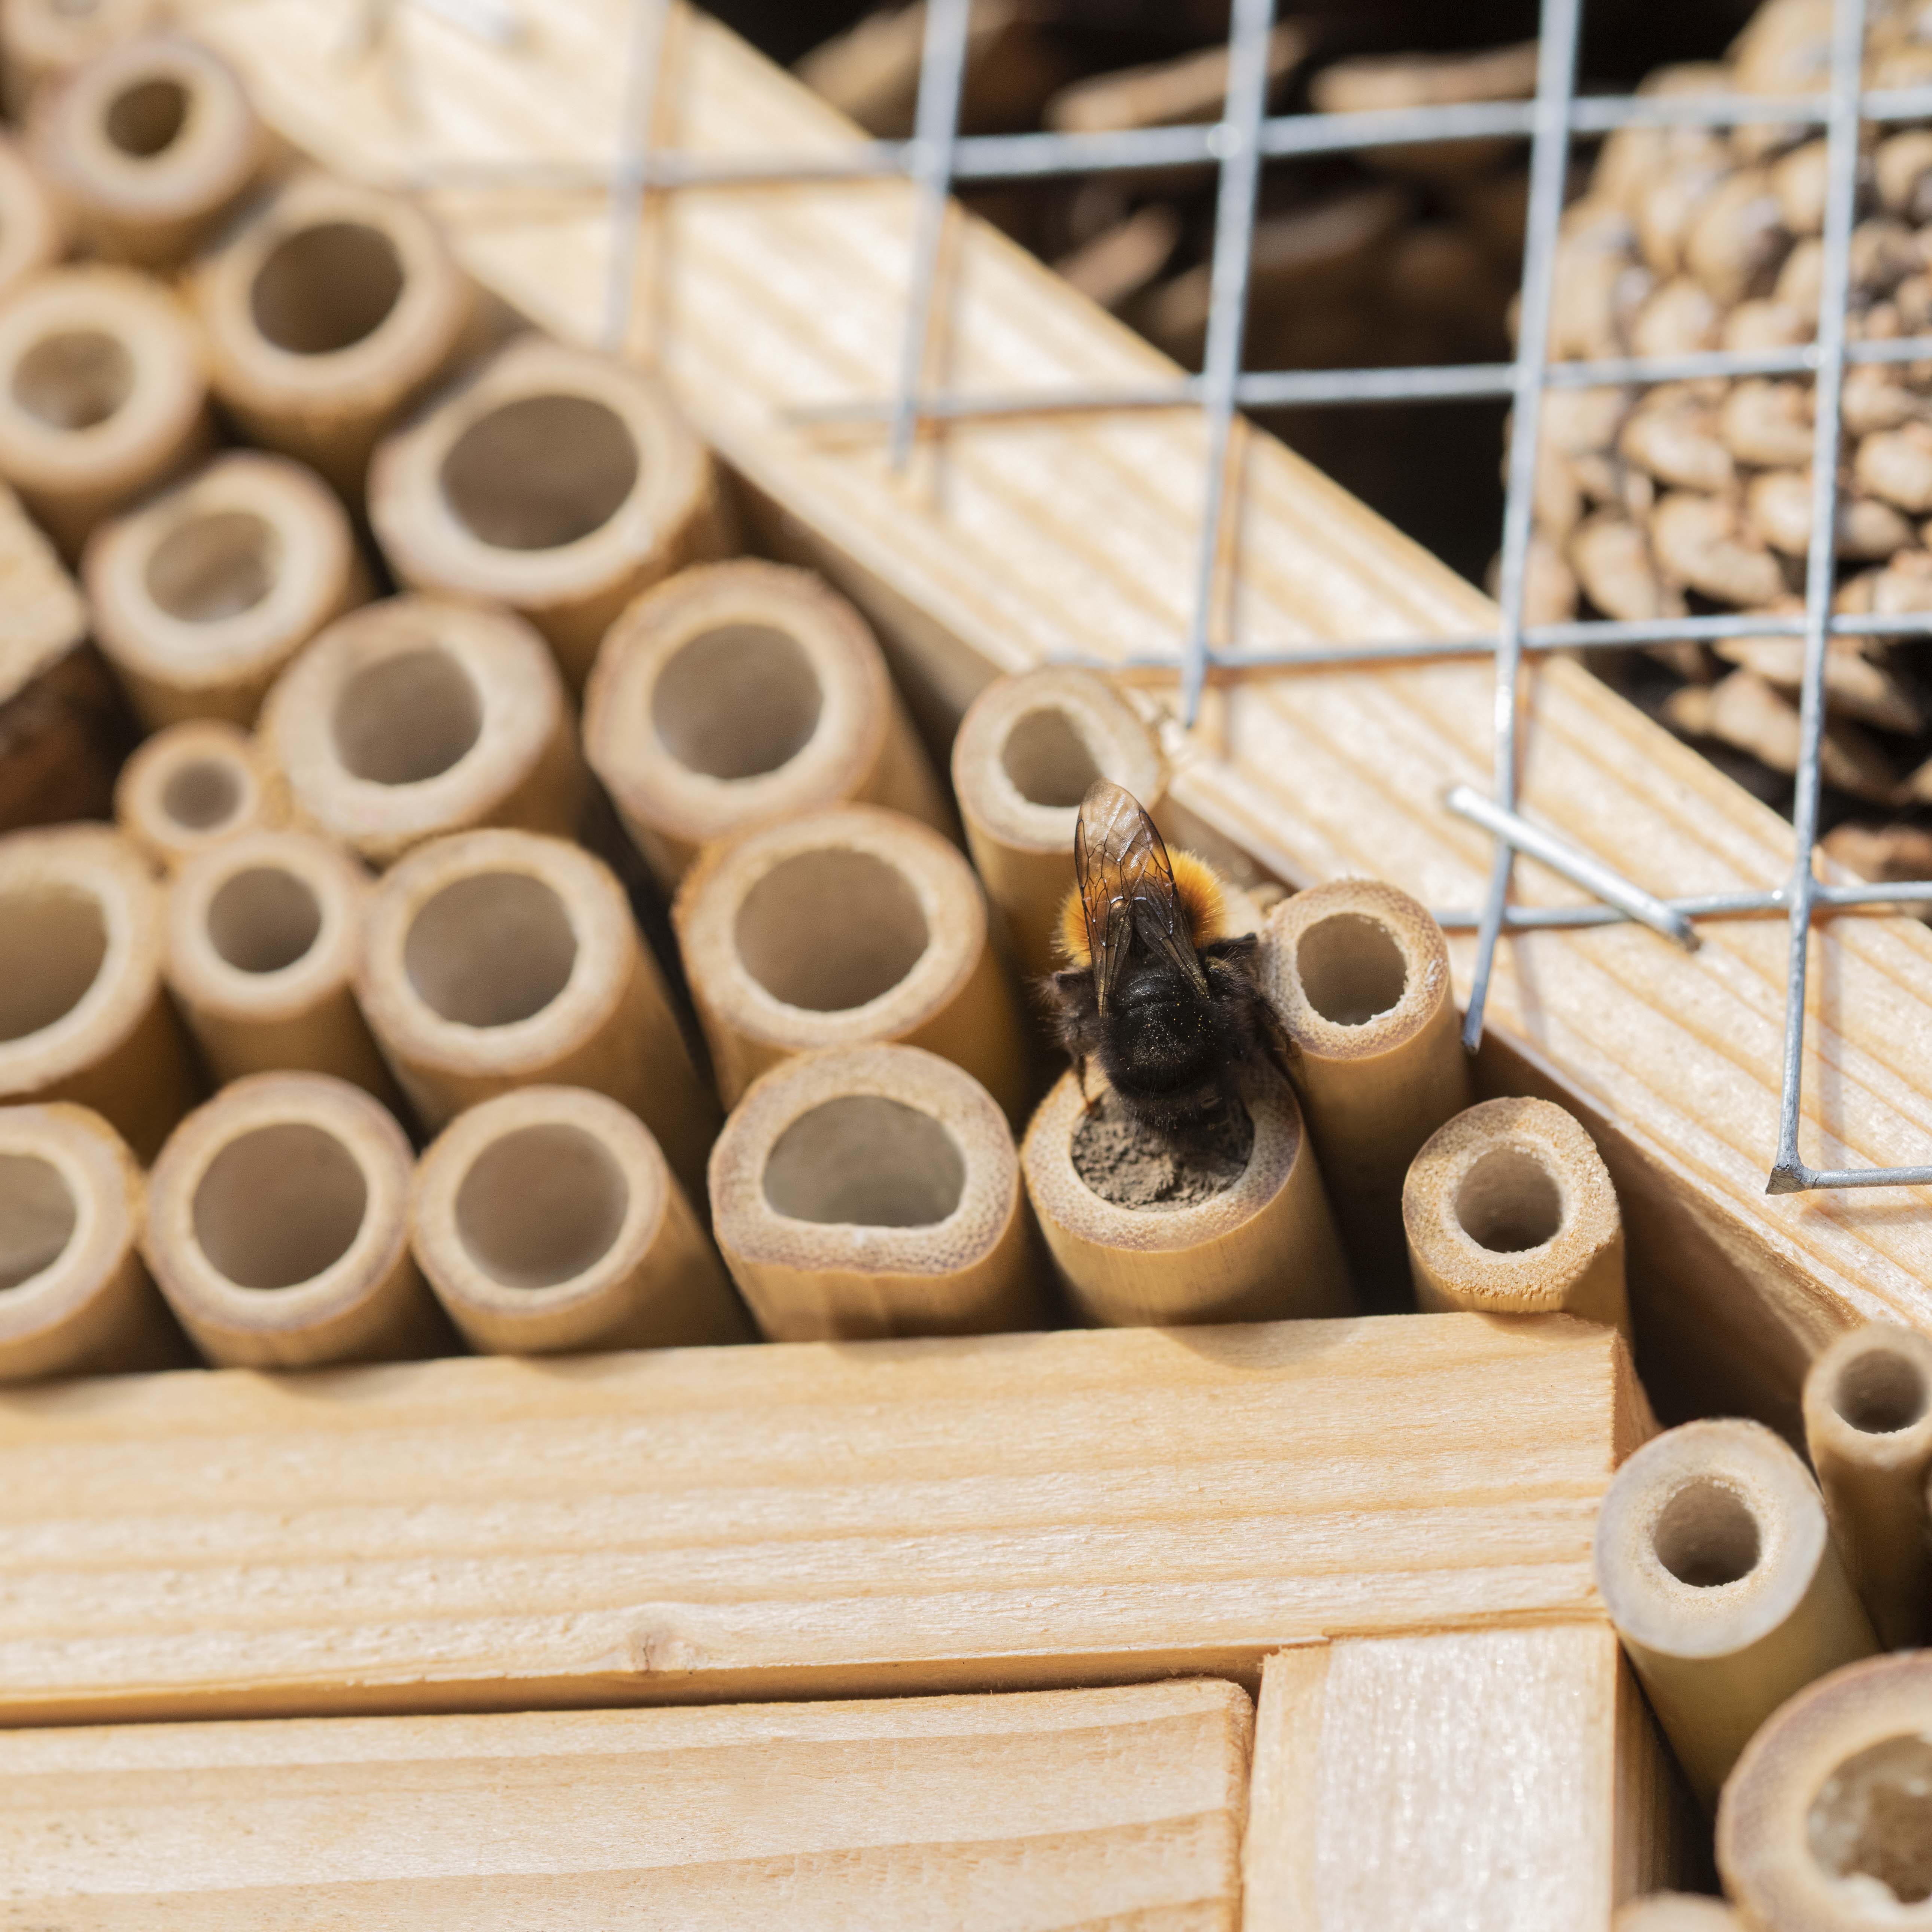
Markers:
816,1519
1037,1812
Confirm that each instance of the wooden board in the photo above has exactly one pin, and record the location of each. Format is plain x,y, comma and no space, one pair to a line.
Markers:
1508,1779
1013,542
1035,1813
823,1519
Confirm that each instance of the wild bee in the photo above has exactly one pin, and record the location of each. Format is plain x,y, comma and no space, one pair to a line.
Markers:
1169,1006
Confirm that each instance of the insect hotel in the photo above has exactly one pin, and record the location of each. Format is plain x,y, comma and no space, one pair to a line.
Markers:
817,1110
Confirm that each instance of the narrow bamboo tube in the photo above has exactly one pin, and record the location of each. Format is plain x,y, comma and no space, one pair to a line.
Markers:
1714,1560
1868,1427
1027,750
494,960
327,311
1509,1209
1676,1911
278,1228
146,148
103,395
201,596
264,932
74,1298
31,236
191,786
1822,1827
1359,973
41,39
849,926
83,1015
413,717
735,694
872,1191
547,1220
555,480
1263,1249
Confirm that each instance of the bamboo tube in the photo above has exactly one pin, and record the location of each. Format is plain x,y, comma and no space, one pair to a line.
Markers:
1714,1562
146,148
1509,1209
734,695
103,395
1868,1427
74,1298
263,935
191,786
1359,973
555,480
327,311
1262,1248
1822,1824
412,717
494,960
872,1191
42,39
1676,1911
278,1228
546,1219
32,237
83,1014
1027,750
849,926
202,596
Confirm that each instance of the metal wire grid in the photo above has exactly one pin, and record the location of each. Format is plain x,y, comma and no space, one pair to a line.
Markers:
937,157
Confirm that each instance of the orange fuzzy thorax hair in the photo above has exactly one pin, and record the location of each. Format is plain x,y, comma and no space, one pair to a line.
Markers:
1195,885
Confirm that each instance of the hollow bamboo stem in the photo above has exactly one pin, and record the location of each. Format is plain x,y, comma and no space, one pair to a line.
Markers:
1263,1248
873,1191
845,927
1868,1427
1027,748
44,39
278,1228
736,694
32,235
546,1219
1509,1209
1713,1558
202,596
264,932
555,481
191,786
414,717
496,960
74,1298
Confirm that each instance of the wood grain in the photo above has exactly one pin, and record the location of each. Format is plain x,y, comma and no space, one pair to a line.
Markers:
821,1519
1040,1812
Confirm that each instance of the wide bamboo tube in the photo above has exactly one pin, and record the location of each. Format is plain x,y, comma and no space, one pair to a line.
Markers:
263,936
1359,973
1262,1249
1822,1827
1713,1558
83,1015
871,1191
1676,1911
556,481
494,960
146,148
103,395
202,596
31,236
41,39
1027,750
845,927
1868,1427
191,786
735,694
74,1298
413,717
327,311
1509,1209
546,1219
278,1228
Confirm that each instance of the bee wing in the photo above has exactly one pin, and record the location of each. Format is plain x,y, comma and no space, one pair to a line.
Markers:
1126,888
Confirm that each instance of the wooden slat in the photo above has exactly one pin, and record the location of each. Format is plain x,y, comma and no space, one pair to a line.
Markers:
820,1519
1040,1812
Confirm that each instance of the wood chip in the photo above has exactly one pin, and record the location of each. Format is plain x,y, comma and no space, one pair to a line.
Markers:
1122,260
1373,82
1166,93
1673,435
1896,466
1746,712
1705,544
1611,557
1768,423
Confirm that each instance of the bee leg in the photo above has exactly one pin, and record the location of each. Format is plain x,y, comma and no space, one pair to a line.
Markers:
1280,1049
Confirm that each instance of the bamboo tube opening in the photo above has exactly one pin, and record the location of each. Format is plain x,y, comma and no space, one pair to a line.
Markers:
540,471
869,1160
1872,1819
53,943
73,379
324,289
38,1216
737,701
264,919
492,949
209,568
1048,759
142,119
191,786
830,930
1880,1391
584,1196
407,717
1707,1537
1509,1200
1352,969
280,1205
202,793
